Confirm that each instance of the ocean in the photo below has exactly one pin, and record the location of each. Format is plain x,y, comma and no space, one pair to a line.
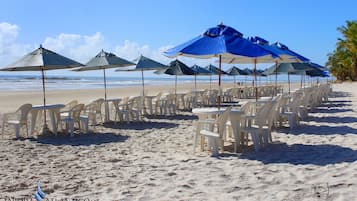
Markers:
34,82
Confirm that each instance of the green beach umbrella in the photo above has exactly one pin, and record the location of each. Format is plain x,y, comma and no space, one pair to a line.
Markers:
102,61
144,64
42,60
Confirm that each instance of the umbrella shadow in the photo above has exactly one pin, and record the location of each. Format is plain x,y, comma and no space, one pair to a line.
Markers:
339,94
174,117
302,154
81,139
334,119
140,125
334,104
330,110
319,130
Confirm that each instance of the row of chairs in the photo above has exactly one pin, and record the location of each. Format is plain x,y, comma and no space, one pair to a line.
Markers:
259,119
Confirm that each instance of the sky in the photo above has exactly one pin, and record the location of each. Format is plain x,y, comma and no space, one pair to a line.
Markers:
80,29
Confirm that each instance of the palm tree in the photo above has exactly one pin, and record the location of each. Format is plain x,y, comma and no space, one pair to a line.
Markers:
343,60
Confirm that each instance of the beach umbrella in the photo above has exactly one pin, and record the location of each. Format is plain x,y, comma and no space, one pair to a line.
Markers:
102,61
288,68
234,71
220,41
199,71
215,71
143,64
42,60
176,68
285,55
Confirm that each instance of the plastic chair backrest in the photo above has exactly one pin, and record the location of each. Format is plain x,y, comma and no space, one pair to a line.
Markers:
24,111
263,115
71,104
76,112
222,120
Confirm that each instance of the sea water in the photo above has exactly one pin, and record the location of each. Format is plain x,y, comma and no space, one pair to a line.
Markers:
34,82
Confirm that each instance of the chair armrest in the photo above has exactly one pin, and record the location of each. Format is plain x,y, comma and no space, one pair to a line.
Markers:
209,133
11,116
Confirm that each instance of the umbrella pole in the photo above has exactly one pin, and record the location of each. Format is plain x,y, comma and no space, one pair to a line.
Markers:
44,100
301,81
105,85
210,82
106,105
276,78
142,81
255,80
195,82
175,88
289,81
235,83
219,81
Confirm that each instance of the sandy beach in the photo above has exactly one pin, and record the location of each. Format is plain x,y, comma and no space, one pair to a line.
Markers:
153,160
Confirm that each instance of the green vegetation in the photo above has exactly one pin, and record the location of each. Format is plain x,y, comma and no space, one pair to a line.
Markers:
343,60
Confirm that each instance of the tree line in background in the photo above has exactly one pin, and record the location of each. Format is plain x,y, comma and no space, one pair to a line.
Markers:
343,60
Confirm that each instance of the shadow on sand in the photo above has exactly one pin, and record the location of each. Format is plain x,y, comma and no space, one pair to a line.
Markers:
140,125
342,120
330,110
300,154
81,139
319,130
174,117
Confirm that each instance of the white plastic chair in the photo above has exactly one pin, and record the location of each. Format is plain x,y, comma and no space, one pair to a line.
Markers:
18,119
122,111
260,128
214,133
76,117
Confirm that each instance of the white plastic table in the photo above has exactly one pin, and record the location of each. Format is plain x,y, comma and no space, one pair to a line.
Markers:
235,118
53,110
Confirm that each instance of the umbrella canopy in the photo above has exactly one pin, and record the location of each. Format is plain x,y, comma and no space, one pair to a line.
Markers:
42,59
176,68
288,68
234,71
215,71
144,63
199,71
104,60
288,51
220,41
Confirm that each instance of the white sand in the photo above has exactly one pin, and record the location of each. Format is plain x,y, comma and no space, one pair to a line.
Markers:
154,161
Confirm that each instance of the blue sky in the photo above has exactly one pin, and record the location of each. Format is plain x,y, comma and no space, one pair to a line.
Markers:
79,29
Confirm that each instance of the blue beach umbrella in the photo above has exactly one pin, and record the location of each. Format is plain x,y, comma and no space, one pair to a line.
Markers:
220,41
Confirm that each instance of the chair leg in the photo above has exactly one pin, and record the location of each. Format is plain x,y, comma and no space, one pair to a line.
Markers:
27,130
255,140
17,130
214,143
71,126
85,122
3,128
